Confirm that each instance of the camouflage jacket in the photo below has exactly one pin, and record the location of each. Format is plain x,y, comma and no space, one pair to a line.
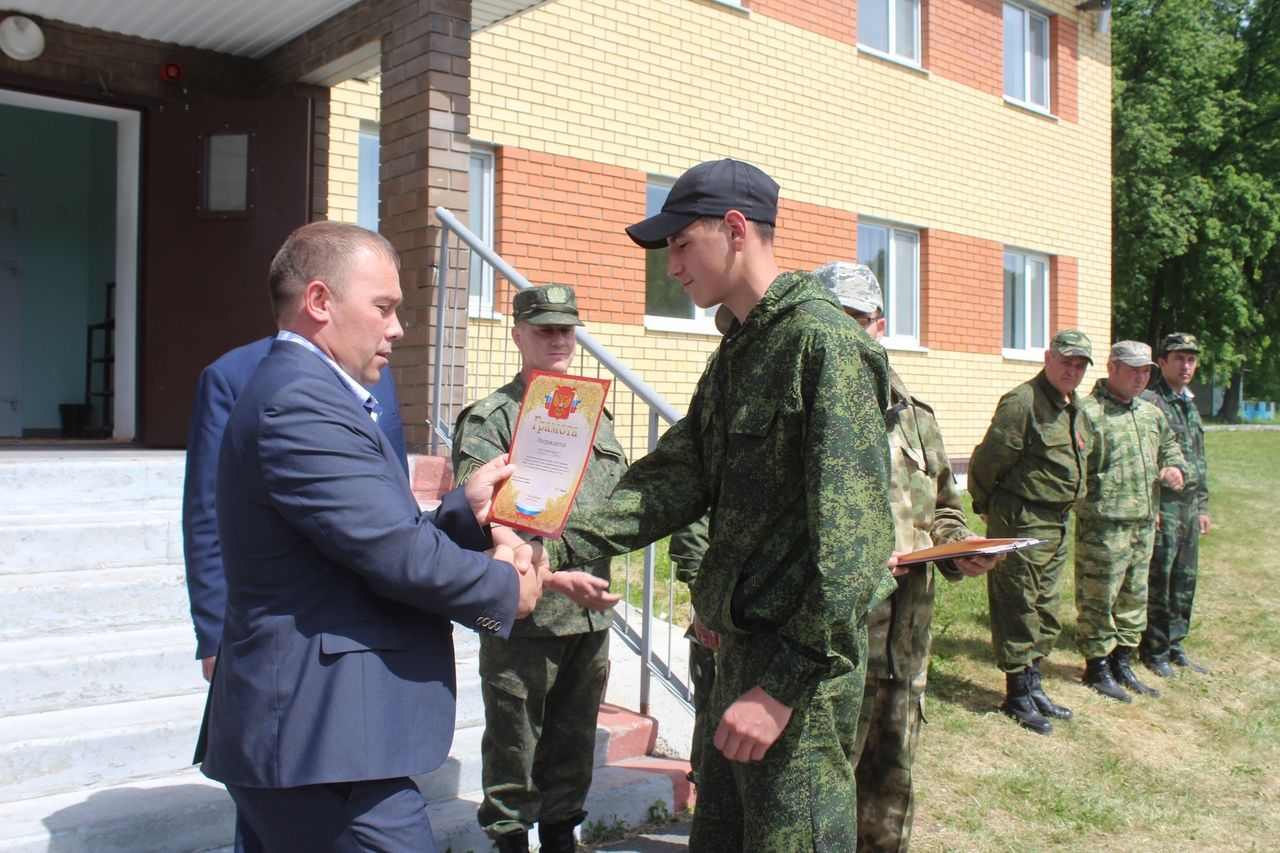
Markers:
1035,448
1184,420
926,511
784,444
1131,444
483,431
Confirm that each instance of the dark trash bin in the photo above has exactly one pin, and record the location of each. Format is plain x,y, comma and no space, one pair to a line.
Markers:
75,419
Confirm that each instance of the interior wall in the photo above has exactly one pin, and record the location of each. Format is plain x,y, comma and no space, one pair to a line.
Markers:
66,219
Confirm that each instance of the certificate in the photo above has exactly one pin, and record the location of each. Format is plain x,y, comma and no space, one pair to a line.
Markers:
967,548
550,447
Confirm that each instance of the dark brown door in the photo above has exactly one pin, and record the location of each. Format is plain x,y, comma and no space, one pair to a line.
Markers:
226,184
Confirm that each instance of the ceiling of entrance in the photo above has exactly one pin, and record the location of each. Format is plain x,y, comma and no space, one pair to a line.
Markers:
249,28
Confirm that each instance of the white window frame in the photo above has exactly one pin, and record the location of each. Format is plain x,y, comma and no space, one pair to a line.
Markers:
1026,98
895,337
891,51
703,321
481,201
1032,350
368,182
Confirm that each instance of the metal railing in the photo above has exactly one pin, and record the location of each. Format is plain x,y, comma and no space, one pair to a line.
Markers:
490,360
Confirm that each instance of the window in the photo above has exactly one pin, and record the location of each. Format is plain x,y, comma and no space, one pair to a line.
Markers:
891,27
367,183
1026,56
1026,304
894,256
480,221
666,306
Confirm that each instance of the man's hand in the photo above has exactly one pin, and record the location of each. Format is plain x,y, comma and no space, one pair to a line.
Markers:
705,635
751,725
898,571
1171,477
530,582
583,589
484,483
1204,525
977,565
206,667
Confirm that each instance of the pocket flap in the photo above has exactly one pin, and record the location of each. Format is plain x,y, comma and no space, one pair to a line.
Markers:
363,637
755,417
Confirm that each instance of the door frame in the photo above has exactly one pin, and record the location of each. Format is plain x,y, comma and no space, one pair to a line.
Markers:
128,185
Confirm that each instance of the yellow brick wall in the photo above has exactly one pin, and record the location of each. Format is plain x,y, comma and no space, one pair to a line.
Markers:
349,104
659,85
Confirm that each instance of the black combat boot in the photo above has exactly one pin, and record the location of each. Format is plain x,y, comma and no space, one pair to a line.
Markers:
1019,705
1097,674
1160,666
1179,658
513,842
1046,705
557,837
1123,672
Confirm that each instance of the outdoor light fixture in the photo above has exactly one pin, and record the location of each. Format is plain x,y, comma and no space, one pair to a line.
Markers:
1103,7
20,38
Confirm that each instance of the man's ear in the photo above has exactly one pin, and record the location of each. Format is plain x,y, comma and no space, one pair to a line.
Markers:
738,227
316,301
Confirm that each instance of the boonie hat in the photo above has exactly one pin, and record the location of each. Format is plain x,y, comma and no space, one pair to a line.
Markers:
853,285
550,304
710,189
1179,340
1072,343
1132,353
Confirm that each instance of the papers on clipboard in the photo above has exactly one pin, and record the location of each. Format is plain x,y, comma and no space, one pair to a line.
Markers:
966,548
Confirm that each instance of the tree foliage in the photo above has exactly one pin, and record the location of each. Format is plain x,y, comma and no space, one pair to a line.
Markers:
1196,178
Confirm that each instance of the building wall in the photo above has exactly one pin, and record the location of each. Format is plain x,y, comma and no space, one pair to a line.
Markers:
586,98
350,103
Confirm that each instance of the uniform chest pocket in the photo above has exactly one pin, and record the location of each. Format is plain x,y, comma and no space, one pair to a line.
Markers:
754,418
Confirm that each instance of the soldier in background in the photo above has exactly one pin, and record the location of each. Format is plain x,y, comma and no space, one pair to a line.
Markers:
542,688
1024,478
1184,515
926,511
1133,450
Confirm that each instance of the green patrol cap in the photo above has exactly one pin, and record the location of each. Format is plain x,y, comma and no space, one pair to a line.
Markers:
1178,340
548,305
1132,353
1072,343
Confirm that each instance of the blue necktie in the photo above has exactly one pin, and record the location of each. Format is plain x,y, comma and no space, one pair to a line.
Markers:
372,406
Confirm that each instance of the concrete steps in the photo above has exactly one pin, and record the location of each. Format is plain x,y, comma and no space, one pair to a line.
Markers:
102,696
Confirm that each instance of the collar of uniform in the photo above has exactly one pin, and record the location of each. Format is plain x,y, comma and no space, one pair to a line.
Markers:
361,393
1101,391
1164,389
1055,397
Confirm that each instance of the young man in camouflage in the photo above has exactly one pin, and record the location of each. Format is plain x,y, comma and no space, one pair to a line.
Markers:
1132,451
1184,515
784,444
1024,478
926,511
542,688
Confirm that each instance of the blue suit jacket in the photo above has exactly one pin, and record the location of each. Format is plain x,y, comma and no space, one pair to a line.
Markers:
216,392
337,652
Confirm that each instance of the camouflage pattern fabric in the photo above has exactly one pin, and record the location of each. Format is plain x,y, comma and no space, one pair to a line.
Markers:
1175,563
542,687
926,509
1131,442
785,445
541,700
1024,477
686,549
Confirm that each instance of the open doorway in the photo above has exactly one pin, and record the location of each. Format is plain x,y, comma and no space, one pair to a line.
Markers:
68,261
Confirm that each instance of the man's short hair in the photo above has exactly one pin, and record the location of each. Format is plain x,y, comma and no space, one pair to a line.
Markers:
321,251
764,230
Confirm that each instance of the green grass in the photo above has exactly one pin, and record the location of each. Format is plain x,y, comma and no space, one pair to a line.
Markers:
1196,769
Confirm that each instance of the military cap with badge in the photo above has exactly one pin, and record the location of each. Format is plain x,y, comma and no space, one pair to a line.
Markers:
546,305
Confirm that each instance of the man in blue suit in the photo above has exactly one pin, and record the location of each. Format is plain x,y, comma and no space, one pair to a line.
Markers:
219,386
335,678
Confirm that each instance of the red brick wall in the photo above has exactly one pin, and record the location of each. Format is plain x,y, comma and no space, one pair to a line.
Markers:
964,41
1064,46
1064,292
560,220
961,292
835,19
809,236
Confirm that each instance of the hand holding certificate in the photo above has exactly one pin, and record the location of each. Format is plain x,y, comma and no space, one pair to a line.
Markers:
550,447
966,548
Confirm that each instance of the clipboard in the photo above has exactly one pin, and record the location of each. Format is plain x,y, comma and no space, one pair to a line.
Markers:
967,548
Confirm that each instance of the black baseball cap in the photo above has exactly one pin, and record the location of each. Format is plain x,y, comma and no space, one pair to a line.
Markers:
710,189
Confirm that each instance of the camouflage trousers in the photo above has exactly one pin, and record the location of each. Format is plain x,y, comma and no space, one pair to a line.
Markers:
1023,590
888,731
702,674
801,796
541,701
1171,580
1111,583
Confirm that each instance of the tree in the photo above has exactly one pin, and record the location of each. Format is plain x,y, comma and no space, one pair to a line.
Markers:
1196,189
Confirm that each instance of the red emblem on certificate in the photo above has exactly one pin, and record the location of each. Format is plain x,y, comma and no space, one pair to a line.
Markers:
550,447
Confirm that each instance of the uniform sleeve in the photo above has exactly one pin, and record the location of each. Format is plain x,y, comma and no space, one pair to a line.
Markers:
1202,491
1170,454
688,544
1097,449
477,440
846,472
206,585
999,450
